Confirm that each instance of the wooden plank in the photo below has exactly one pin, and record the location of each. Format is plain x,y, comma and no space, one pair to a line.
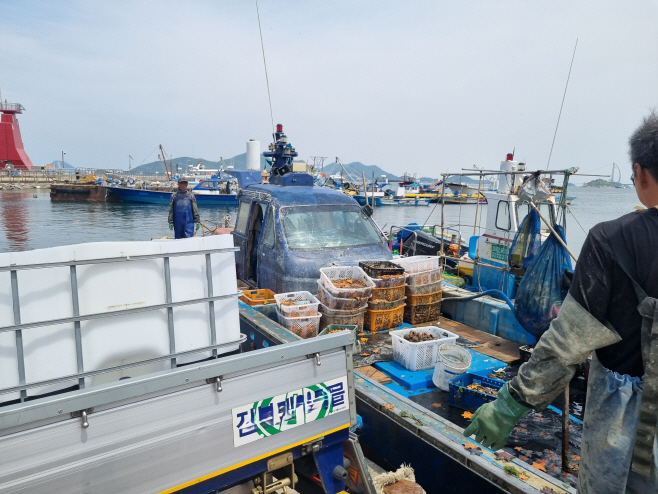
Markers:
493,346
372,373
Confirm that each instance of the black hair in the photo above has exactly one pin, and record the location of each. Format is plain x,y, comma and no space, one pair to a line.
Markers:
643,144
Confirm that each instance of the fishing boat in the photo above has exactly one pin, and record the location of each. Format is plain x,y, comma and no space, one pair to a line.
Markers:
406,418
210,191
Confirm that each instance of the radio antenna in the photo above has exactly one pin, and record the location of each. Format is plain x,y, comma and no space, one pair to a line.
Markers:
563,97
265,64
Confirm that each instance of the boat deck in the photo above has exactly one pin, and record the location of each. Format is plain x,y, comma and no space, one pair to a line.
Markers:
534,447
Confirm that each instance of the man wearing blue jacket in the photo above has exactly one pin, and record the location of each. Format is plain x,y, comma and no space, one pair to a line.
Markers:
183,212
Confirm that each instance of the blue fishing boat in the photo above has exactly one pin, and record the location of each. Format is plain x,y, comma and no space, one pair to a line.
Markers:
211,192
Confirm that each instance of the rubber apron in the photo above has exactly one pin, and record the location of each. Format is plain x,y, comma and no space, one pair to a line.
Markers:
183,218
619,446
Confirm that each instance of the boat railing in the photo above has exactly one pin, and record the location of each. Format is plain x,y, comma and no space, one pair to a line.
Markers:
19,327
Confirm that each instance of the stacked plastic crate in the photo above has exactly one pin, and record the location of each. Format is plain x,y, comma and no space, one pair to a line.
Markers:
423,289
298,312
344,292
386,305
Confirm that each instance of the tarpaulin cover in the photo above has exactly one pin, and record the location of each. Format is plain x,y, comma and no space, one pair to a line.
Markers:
540,293
526,243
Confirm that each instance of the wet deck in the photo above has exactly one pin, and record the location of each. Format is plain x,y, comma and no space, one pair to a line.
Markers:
537,440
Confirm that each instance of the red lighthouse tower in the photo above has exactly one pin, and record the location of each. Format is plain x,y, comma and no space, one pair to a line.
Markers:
11,144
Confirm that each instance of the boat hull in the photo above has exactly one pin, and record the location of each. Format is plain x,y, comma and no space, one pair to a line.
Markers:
157,197
392,202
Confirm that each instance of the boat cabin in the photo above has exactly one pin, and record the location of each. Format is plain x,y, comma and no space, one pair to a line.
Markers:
287,229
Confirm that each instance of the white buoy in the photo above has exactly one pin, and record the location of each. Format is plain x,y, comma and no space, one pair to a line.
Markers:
253,155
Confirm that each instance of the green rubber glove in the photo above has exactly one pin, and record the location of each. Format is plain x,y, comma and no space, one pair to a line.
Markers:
198,225
171,226
493,422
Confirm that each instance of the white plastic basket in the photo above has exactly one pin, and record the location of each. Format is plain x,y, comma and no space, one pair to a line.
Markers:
390,282
416,264
424,277
305,327
424,289
307,309
344,273
332,302
423,355
351,317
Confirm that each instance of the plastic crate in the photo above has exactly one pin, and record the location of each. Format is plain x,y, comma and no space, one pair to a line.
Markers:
416,264
471,399
307,309
424,277
424,298
423,289
305,327
419,314
387,294
423,355
346,327
342,317
332,302
375,269
327,275
390,281
387,305
378,320
258,297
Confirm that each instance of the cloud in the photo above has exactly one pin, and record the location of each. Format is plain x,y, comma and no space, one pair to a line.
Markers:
421,86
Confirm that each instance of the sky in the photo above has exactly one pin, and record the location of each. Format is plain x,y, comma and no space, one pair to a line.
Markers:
416,86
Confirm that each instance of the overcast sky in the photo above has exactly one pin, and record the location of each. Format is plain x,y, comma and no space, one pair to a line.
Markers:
424,87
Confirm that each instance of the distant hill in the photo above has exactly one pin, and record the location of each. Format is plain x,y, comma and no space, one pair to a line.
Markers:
601,183
238,162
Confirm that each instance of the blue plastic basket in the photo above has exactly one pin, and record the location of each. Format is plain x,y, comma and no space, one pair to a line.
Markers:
470,399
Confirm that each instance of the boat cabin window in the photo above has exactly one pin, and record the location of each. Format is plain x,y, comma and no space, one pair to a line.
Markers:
243,216
268,233
503,221
522,210
319,227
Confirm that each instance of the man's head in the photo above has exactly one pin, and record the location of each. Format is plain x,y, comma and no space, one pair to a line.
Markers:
643,152
182,184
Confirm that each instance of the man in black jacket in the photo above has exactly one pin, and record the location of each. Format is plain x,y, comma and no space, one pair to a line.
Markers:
611,309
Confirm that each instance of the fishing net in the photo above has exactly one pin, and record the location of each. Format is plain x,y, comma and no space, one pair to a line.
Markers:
534,190
526,244
540,293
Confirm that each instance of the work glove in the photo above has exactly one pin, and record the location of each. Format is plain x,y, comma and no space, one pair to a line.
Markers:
493,422
171,226
198,225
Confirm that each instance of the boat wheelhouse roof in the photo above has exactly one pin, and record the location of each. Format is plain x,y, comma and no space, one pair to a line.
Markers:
302,195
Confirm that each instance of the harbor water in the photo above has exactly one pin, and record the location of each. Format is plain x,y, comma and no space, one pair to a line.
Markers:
29,220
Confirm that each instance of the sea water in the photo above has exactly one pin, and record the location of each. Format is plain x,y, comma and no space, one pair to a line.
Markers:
29,222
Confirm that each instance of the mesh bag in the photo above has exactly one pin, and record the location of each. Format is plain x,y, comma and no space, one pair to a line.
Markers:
526,243
540,293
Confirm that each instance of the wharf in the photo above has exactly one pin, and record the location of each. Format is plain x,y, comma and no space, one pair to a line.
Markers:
81,192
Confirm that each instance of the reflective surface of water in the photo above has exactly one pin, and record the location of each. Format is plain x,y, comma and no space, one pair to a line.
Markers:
28,222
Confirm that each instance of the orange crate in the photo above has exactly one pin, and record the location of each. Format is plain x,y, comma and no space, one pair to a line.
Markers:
418,314
425,298
258,297
387,294
377,320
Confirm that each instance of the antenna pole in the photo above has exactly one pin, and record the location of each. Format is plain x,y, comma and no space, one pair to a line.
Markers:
563,97
267,80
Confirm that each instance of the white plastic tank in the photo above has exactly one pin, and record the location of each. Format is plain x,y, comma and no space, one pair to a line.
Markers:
506,182
45,294
253,155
